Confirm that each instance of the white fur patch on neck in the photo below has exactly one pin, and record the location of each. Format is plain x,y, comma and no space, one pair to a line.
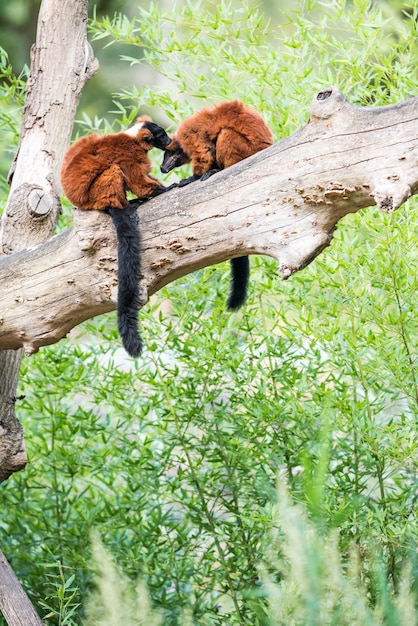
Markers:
134,130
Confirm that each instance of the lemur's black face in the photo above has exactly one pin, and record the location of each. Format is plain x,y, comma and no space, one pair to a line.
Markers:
160,138
173,157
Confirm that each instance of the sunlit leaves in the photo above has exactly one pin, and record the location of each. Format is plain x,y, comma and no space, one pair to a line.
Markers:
11,104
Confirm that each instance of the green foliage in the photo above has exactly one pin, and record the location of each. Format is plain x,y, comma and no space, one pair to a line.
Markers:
316,589
11,103
235,51
174,459
115,601
61,603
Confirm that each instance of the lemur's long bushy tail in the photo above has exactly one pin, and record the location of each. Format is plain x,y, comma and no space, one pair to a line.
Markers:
240,274
129,268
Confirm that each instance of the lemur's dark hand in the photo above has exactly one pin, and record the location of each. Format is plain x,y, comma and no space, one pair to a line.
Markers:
209,173
187,181
164,189
157,192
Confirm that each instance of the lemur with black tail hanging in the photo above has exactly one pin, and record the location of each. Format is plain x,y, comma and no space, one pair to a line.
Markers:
96,174
211,140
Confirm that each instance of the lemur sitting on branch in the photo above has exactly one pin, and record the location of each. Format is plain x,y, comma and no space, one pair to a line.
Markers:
211,140
96,174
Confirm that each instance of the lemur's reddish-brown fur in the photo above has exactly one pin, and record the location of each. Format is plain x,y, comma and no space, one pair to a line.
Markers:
219,136
96,174
98,170
211,140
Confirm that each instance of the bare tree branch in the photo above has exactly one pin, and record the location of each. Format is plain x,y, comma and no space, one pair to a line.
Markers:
14,603
284,202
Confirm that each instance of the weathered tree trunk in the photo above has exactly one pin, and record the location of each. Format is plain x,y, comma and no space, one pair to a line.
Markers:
61,62
14,603
284,202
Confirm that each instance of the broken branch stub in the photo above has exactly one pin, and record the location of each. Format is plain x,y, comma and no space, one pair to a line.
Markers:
284,202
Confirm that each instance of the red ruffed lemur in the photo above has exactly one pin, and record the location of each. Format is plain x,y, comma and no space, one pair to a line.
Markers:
211,140
96,174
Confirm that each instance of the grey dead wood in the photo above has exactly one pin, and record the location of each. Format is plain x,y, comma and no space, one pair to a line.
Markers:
15,605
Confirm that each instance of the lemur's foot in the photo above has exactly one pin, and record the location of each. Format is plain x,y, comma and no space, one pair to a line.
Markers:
160,190
209,173
187,181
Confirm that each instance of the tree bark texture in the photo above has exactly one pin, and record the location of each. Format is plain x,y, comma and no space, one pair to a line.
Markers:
15,605
61,62
284,202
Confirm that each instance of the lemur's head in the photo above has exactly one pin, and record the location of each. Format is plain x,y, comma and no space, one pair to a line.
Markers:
174,156
149,133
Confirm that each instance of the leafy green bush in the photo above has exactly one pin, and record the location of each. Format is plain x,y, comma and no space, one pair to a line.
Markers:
174,459
11,103
315,588
115,600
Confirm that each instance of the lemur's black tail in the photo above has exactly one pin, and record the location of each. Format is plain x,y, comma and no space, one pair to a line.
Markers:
129,267
240,273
